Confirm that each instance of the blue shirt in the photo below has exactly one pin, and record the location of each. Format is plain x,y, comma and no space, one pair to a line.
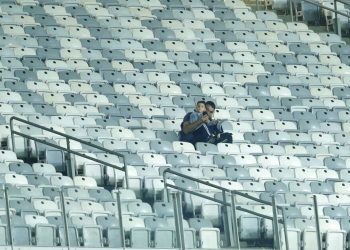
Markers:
182,136
195,116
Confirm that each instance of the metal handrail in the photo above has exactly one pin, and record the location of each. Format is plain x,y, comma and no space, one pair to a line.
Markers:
291,2
64,215
68,149
236,192
343,2
233,238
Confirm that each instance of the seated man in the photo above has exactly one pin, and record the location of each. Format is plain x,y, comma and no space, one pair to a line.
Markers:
204,128
191,121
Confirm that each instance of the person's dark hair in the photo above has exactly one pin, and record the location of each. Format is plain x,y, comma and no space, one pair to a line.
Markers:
211,104
201,102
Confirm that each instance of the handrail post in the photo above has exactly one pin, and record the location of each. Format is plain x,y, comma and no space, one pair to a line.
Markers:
285,229
120,215
227,222
337,26
291,9
71,171
178,220
12,135
276,233
63,206
318,230
235,221
126,172
8,218
166,197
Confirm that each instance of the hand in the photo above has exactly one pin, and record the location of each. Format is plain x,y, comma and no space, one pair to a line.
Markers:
204,118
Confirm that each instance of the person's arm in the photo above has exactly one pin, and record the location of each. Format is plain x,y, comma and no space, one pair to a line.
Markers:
188,127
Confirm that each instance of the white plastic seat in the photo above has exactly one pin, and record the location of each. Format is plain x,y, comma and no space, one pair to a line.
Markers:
173,125
151,4
236,4
156,56
47,75
59,87
267,36
184,147
329,59
226,148
286,125
331,80
141,13
138,100
84,181
185,34
280,91
339,199
37,86
280,48
125,89
43,168
226,102
341,70
324,174
297,70
123,66
14,179
97,11
67,21
130,23
122,133
295,150
342,187
193,24
154,160
244,14
34,220
79,32
268,161
45,206
135,55
24,20
274,25
71,43
81,87
176,46
21,52
92,207
249,148
61,181
55,10
237,47
203,14
260,114
290,161
309,37
297,26
8,97
243,56
13,30
56,64
245,160
152,111
169,89
322,138
213,90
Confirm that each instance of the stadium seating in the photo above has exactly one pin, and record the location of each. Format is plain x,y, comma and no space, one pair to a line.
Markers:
122,74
